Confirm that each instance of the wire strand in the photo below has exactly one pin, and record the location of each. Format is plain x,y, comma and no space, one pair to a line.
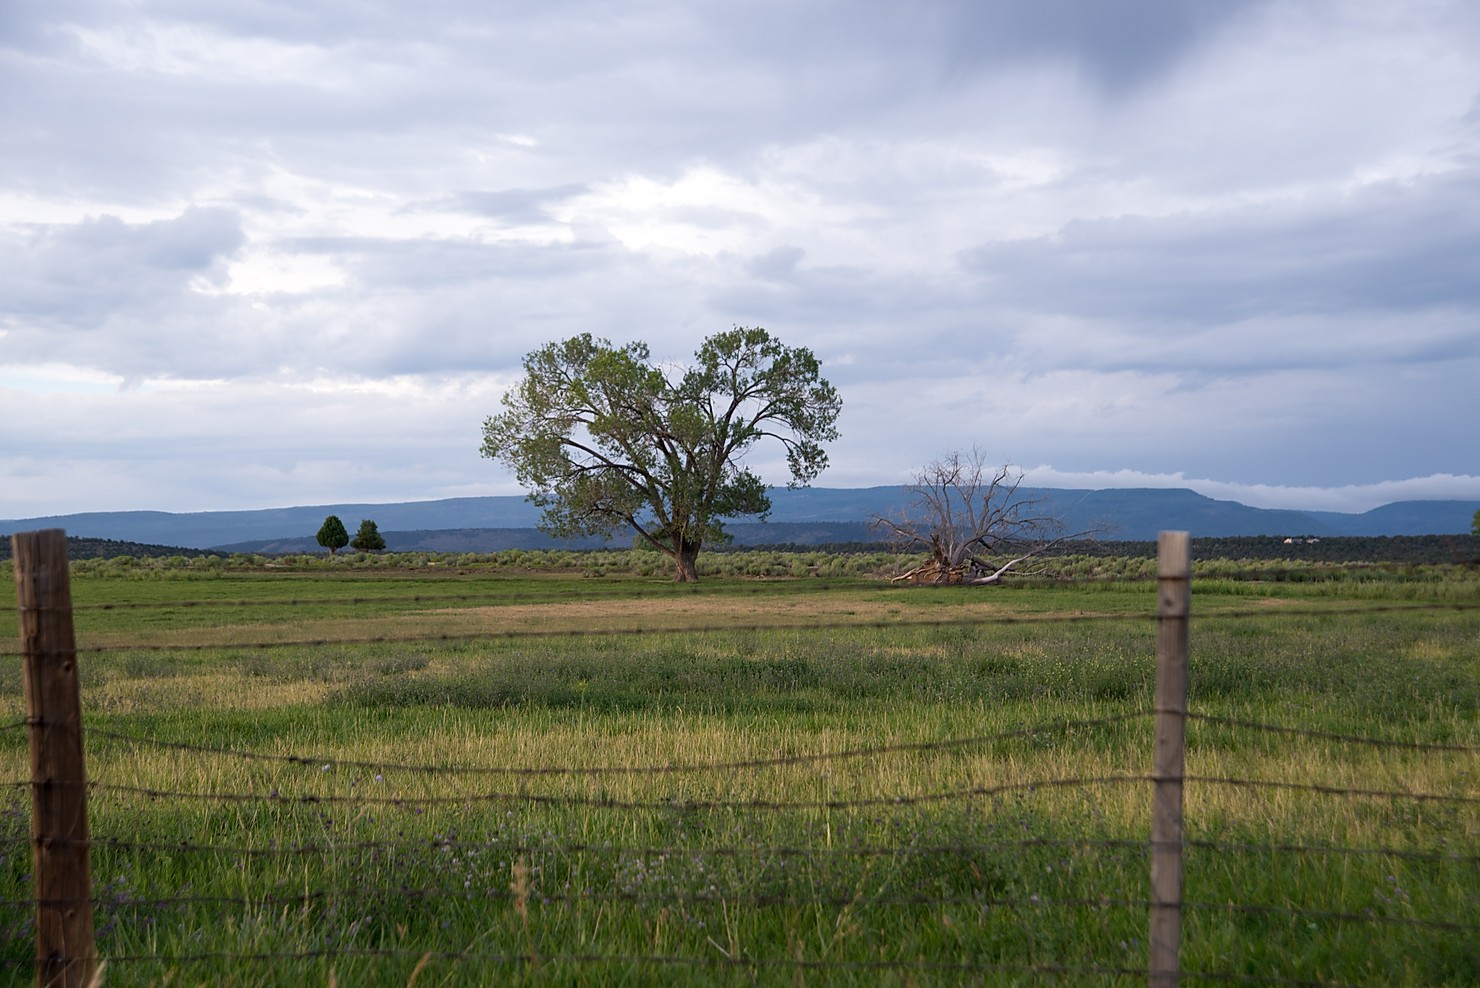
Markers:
1423,797
1330,736
322,762
605,802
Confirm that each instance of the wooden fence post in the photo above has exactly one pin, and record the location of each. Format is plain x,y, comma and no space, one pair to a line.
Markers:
65,953
1174,602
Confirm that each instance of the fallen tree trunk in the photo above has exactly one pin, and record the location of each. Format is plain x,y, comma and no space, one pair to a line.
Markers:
972,573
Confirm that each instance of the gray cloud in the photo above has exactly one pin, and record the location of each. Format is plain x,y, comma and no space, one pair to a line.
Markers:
778,265
1119,45
1220,238
79,275
1394,248
514,206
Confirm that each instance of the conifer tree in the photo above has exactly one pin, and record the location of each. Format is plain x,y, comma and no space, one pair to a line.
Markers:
368,538
332,534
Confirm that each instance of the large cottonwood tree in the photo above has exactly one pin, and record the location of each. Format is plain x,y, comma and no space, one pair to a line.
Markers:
604,439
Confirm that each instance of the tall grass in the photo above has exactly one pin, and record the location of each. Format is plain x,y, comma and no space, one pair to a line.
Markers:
962,862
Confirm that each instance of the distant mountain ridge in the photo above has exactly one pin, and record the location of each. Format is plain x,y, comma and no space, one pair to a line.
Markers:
805,516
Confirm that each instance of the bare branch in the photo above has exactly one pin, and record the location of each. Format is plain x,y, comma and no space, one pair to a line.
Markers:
968,514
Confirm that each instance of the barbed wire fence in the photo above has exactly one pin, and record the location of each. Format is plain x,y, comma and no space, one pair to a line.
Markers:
690,880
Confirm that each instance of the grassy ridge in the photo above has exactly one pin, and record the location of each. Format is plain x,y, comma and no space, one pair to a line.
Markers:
871,874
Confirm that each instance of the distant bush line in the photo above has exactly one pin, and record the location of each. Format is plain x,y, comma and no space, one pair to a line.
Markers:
786,559
1414,549
82,547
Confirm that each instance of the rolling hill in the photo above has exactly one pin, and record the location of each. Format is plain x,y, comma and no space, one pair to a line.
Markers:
809,516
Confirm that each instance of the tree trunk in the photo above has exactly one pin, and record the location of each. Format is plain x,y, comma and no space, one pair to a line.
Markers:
685,563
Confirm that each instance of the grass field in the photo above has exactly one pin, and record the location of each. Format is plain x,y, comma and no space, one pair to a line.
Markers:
468,774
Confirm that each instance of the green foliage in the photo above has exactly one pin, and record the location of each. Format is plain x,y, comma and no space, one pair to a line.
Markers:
368,538
1475,524
355,880
1092,572
605,441
332,534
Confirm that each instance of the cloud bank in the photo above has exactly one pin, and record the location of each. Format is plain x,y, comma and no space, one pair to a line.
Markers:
258,253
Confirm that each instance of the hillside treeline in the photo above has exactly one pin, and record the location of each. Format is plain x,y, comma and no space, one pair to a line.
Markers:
1398,549
82,547
1414,549
1411,549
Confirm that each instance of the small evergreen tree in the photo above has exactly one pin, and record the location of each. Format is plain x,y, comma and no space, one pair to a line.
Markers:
332,534
368,538
1475,524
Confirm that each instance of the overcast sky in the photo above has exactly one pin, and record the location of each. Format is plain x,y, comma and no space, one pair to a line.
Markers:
273,252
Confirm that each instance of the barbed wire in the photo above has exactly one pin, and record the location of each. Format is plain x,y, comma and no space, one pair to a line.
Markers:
679,803
612,803
321,762
1345,917
1329,736
1314,850
1329,790
675,851
513,634
325,763
535,895
756,851
596,592
510,634
1337,606
733,897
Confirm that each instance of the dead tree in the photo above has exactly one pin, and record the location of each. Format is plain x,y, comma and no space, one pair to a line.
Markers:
969,517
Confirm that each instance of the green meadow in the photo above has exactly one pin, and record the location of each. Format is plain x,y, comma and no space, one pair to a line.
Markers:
553,769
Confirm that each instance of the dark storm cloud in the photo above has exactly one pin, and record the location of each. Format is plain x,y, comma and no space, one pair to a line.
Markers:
1119,45
647,86
1394,248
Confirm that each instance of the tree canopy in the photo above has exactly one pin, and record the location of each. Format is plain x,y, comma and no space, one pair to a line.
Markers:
604,439
332,534
368,538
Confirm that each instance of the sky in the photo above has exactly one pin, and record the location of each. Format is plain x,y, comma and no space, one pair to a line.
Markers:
258,253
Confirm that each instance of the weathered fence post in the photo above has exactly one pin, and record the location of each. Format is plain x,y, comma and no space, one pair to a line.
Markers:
65,953
1174,602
